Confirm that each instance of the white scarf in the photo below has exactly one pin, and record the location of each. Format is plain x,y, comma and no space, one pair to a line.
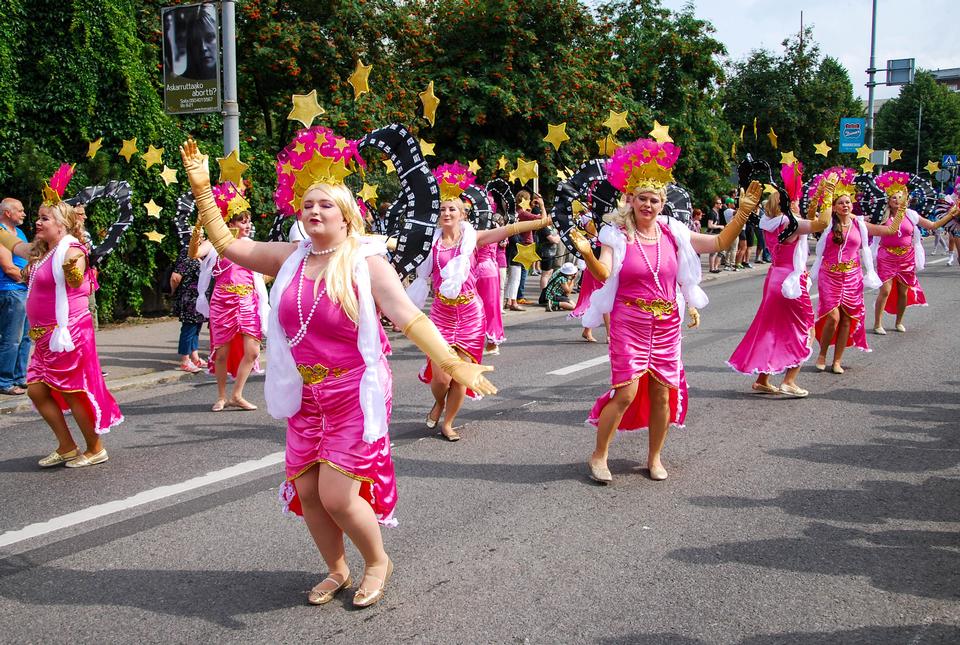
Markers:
60,340
870,278
206,274
919,255
688,273
283,389
791,285
454,273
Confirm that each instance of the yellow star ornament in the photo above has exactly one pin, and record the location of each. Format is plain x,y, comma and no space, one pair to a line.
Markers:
526,170
360,79
153,210
607,146
863,152
305,108
128,149
867,166
556,134
896,155
153,236
787,158
368,193
502,163
473,166
430,103
932,166
153,155
93,147
231,168
526,255
616,121
661,132
773,138
169,175
823,149
578,207
769,189
389,166
427,148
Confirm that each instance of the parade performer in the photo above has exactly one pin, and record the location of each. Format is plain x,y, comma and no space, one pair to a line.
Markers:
780,338
900,256
238,309
328,374
588,283
842,269
488,290
64,370
644,262
456,311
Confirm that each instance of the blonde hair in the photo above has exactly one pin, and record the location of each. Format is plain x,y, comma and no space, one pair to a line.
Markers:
459,203
63,214
772,204
339,271
622,216
904,203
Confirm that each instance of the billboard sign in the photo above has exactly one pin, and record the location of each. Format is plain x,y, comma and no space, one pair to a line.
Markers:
191,58
853,132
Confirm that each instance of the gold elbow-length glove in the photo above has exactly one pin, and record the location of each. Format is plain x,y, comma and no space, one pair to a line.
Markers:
195,163
895,224
530,225
8,240
748,203
953,212
596,268
825,189
427,338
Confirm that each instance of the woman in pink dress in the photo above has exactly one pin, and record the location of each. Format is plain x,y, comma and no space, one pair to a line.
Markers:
588,283
645,265
488,290
328,374
238,307
900,256
456,310
64,370
780,338
843,268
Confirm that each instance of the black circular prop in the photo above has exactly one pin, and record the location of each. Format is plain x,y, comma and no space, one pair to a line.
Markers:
119,192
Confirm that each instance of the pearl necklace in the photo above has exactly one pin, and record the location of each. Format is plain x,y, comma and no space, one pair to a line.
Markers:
304,324
437,248
36,269
654,270
324,251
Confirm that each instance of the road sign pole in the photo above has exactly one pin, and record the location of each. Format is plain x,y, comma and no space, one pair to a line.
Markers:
231,108
919,121
872,72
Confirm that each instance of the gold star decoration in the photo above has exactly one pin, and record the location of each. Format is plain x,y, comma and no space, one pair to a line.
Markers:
863,152
93,147
607,146
305,108
562,174
769,189
169,175
430,103
822,148
473,166
153,155
616,121
368,193
932,166
526,170
742,128
512,176
787,158
661,132
231,168
427,148
755,127
502,163
896,155
128,149
578,207
773,138
526,255
867,166
360,79
733,150
556,134
153,236
389,166
152,209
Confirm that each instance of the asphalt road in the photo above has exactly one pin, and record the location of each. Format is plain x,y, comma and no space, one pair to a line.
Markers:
828,520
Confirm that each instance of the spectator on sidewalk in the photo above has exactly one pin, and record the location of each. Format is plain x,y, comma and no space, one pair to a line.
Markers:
14,340
713,225
556,294
732,254
183,286
523,215
548,242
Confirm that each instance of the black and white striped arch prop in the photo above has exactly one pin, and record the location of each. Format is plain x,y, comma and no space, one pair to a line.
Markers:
506,200
481,215
119,192
186,206
591,175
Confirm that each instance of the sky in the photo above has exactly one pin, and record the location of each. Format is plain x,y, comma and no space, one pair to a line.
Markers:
905,29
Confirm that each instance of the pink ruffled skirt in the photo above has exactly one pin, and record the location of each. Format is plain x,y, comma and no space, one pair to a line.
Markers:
903,268
588,285
232,317
462,326
76,372
488,289
844,291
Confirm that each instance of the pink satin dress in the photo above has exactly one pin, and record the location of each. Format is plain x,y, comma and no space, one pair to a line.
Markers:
588,284
840,284
460,320
645,334
234,313
896,259
488,288
77,371
328,429
779,337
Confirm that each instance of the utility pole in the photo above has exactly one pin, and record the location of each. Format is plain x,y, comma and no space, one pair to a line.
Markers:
872,72
231,109
919,121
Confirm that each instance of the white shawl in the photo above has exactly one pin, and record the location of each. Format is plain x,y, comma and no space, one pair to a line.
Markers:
919,255
688,273
454,273
60,340
284,385
870,278
206,274
791,285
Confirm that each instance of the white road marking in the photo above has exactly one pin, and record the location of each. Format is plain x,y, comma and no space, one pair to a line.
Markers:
147,496
576,367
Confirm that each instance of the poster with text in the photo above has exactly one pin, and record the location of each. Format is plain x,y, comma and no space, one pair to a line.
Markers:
191,58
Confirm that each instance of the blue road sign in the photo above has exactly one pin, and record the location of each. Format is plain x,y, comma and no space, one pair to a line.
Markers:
853,132
949,161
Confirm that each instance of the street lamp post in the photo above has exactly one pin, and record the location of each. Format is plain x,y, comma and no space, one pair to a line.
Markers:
231,108
871,83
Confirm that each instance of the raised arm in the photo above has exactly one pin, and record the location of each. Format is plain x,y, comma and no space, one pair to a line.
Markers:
932,226
493,235
598,268
892,228
14,244
703,243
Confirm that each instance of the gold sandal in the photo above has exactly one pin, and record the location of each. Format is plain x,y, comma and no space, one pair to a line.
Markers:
318,596
364,598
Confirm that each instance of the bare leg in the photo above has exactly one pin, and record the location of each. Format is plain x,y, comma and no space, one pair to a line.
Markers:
790,378
763,380
81,414
49,409
882,296
439,385
901,301
251,351
220,369
456,393
843,333
326,534
659,426
829,327
609,419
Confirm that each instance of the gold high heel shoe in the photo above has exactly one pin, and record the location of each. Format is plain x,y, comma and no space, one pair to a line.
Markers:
317,596
364,598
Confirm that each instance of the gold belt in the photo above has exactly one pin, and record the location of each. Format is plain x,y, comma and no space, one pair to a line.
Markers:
314,374
844,267
462,299
239,289
659,307
897,250
36,333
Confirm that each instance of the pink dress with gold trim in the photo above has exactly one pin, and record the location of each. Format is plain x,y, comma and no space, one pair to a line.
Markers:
840,284
896,259
234,313
76,371
488,288
645,334
329,426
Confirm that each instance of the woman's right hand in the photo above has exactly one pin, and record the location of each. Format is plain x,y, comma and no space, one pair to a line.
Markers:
195,163
580,242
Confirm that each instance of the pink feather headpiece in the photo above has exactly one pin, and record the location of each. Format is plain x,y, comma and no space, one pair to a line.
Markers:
845,182
642,164
230,200
54,189
315,156
454,178
792,175
893,181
